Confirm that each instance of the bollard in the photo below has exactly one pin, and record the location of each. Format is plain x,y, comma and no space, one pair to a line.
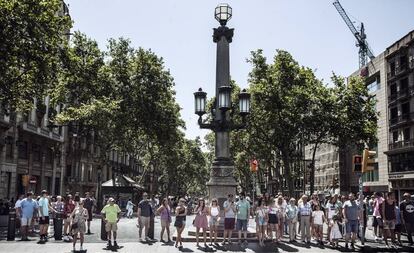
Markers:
103,231
151,228
57,227
11,227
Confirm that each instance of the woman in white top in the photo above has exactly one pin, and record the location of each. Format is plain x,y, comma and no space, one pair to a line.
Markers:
281,213
214,220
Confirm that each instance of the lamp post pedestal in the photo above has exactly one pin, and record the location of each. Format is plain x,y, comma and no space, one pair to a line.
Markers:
222,181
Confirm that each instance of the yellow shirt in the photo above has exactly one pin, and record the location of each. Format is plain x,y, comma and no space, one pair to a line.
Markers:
111,212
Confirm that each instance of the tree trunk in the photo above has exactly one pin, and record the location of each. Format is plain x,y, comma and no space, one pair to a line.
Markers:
288,175
312,172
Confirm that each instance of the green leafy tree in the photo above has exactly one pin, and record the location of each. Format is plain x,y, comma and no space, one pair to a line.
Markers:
32,35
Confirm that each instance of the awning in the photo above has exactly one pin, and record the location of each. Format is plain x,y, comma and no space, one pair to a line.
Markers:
123,181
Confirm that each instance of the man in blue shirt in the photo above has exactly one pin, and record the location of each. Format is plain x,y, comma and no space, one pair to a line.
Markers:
243,215
27,208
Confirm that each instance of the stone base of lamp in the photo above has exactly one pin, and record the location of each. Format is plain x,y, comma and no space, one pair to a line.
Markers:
222,181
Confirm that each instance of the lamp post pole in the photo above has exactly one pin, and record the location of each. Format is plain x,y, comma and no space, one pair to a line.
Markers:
222,181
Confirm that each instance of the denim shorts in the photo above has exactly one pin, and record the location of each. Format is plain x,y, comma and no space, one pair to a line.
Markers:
242,225
352,226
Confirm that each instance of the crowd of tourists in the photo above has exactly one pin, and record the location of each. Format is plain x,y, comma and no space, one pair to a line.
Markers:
346,218
39,211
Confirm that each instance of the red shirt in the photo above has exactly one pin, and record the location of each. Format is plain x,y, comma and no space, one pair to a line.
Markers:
69,207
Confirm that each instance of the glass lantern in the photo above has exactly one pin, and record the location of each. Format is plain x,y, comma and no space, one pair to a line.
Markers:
223,13
200,102
224,95
244,103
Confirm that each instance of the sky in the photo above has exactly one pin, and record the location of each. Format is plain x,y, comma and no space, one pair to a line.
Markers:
180,31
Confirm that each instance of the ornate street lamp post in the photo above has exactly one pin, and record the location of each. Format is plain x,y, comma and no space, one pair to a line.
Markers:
222,181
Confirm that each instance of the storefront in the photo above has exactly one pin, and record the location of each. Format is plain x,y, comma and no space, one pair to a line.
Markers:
401,183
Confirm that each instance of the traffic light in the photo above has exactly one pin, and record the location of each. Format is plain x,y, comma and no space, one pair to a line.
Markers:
368,158
357,163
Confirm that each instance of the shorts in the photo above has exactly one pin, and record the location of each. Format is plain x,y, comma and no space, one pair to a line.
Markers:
273,218
25,221
389,224
111,226
44,221
398,228
179,221
90,216
241,225
261,221
352,226
144,221
214,221
377,222
229,223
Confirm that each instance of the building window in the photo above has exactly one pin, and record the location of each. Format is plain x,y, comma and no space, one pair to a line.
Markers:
68,171
404,85
49,156
395,136
401,162
22,150
403,62
392,69
36,153
406,134
405,109
374,85
371,176
9,147
90,173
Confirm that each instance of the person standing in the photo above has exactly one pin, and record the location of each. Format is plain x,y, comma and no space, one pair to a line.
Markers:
18,214
130,208
335,233
281,217
389,218
165,216
243,214
273,220
79,217
214,212
318,218
88,204
305,211
180,217
59,208
28,208
200,221
331,209
398,225
261,220
407,217
68,208
44,207
111,213
229,218
378,222
144,215
292,218
351,215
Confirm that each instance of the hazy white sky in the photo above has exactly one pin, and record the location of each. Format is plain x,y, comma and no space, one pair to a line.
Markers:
180,31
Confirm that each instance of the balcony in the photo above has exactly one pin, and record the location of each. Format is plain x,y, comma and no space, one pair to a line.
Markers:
402,119
401,144
401,94
399,71
31,128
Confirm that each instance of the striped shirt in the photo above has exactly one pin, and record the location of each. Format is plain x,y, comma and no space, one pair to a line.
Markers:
305,209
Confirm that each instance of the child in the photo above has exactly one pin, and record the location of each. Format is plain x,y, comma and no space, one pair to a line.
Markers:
318,218
335,232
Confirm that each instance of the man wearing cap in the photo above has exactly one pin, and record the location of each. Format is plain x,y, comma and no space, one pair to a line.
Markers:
111,214
407,217
44,206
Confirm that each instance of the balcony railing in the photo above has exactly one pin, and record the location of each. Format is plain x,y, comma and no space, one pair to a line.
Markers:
407,117
399,70
409,91
401,144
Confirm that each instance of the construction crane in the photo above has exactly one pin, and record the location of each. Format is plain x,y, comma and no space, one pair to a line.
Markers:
364,49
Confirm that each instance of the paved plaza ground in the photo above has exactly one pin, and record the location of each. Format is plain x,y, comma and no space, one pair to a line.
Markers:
128,239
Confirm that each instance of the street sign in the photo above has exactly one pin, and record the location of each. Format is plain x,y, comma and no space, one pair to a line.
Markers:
33,180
